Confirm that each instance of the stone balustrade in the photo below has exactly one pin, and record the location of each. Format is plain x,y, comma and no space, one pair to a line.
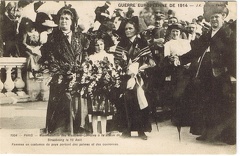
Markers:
7,65
21,88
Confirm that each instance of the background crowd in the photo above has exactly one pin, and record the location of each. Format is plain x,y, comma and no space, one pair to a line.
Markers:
129,67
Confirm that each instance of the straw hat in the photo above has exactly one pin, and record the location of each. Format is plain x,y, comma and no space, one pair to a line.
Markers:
49,23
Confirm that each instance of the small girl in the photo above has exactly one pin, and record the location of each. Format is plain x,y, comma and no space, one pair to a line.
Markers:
99,102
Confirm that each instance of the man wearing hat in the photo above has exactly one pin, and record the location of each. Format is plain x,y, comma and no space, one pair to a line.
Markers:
102,13
171,13
214,74
129,13
118,13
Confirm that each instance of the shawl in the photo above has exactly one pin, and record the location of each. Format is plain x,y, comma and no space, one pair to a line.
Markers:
137,53
134,51
60,52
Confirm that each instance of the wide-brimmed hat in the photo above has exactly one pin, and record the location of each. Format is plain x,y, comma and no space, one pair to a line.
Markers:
49,23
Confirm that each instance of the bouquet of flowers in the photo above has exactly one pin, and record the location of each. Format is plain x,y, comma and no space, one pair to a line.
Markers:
100,77
97,81
67,73
92,81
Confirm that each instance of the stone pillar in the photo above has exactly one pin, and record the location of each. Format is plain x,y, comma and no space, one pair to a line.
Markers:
9,63
19,83
9,84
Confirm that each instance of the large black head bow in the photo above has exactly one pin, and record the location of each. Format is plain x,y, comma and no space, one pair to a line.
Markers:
133,19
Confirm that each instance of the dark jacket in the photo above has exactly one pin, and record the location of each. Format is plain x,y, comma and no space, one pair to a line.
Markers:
61,50
98,12
219,50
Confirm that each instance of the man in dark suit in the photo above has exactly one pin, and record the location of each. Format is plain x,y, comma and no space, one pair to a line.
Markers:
214,74
102,13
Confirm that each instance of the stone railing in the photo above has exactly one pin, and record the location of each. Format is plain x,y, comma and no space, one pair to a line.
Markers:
6,86
13,91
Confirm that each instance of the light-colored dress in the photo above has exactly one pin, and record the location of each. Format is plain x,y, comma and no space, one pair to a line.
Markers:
176,47
100,57
98,91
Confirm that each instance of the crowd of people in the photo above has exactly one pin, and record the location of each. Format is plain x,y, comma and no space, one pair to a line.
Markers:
128,66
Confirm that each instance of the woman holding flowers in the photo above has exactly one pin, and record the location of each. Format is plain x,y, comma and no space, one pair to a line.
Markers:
62,56
134,56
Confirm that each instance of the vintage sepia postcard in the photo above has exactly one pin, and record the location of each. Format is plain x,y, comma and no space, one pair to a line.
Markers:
118,77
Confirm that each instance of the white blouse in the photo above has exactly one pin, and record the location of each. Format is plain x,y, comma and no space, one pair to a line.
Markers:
100,56
176,47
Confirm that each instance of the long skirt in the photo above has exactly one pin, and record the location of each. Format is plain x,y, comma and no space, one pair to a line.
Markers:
58,110
136,119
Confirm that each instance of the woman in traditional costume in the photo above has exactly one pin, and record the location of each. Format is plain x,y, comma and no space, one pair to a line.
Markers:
134,56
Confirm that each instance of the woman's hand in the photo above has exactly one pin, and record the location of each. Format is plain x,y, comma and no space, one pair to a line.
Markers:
143,67
174,60
36,50
159,41
29,48
124,56
146,65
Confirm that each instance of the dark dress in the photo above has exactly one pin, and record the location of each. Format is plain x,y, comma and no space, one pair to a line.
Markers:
217,113
136,119
58,55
